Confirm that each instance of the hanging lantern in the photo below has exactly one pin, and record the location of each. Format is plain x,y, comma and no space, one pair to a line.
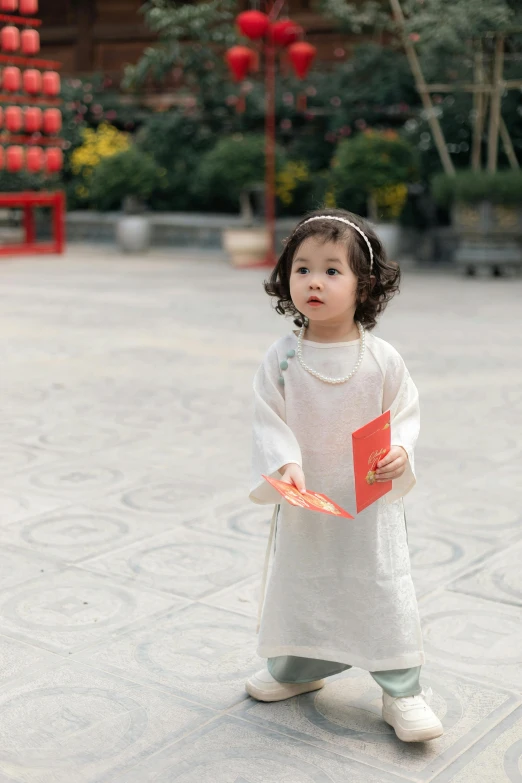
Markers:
12,79
30,42
253,24
29,7
285,32
8,6
34,160
10,38
52,121
32,119
239,59
32,81
13,119
15,159
301,55
53,160
51,83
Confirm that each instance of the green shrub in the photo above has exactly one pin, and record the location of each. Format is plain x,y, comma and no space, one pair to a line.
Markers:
376,165
128,173
471,187
235,163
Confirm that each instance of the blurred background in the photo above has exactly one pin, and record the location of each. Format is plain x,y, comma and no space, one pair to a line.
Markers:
408,112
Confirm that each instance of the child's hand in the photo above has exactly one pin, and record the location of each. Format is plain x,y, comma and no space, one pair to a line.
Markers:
293,474
393,465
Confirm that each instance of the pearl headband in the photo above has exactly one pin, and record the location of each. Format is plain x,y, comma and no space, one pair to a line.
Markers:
348,223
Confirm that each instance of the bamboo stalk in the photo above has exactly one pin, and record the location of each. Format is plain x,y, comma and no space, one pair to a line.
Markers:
508,145
423,91
479,105
496,98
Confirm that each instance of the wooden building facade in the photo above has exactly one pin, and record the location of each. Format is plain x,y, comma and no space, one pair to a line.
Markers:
104,35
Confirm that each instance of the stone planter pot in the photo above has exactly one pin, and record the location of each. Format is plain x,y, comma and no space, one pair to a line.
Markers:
390,236
246,246
133,233
489,237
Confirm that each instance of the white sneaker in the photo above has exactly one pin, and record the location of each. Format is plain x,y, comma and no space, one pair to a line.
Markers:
411,717
263,687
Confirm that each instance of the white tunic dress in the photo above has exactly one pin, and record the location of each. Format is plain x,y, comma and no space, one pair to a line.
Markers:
338,589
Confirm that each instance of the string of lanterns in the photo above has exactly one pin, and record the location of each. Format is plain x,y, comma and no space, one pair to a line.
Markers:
285,34
26,85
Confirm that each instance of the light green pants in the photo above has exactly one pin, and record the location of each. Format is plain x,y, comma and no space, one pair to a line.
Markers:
291,668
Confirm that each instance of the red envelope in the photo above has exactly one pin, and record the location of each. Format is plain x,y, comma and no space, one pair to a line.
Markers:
371,443
310,500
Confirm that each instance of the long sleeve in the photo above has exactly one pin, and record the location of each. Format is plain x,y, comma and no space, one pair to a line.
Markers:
401,397
274,443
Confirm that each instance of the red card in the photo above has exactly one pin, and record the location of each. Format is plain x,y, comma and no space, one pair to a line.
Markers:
310,500
371,443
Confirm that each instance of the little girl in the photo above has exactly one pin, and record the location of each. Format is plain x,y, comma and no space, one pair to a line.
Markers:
340,592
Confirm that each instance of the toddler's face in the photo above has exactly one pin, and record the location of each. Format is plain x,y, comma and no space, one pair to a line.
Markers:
320,271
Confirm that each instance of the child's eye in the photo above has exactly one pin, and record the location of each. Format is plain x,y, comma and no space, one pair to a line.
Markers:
335,271
302,270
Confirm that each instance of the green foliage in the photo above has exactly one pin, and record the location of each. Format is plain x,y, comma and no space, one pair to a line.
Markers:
128,173
177,143
233,164
188,35
374,160
470,187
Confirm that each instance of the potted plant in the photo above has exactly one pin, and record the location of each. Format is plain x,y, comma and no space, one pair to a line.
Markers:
375,168
229,178
486,213
126,180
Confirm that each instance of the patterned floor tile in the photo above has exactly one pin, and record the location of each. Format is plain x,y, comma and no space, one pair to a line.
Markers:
500,579
183,561
201,653
68,610
231,751
496,758
475,637
73,723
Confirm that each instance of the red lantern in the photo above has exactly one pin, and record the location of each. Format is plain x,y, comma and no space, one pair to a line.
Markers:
13,119
8,6
32,81
51,83
15,159
12,79
52,121
29,7
301,54
2,158
34,160
33,119
53,160
239,60
30,41
10,38
1,119
285,32
253,24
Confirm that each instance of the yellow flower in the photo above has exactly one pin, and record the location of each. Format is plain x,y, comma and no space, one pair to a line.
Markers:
391,199
103,142
288,179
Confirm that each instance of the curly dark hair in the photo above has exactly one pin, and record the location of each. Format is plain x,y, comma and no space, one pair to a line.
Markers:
373,291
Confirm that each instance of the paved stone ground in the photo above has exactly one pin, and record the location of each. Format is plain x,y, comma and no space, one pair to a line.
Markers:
130,558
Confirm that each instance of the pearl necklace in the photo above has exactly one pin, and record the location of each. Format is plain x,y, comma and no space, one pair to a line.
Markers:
325,378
